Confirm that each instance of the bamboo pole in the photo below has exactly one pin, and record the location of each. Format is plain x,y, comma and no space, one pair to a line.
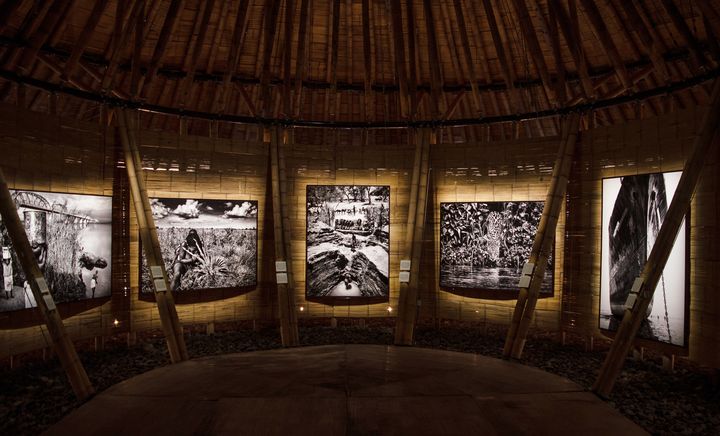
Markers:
660,252
286,300
148,235
407,305
61,342
543,243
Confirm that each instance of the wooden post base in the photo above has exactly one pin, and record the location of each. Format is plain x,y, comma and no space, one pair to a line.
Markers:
668,363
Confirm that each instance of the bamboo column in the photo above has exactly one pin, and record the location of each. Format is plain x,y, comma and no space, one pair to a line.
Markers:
286,298
543,243
148,235
647,282
61,342
408,304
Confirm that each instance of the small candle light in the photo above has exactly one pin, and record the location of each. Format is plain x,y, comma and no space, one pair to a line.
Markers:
389,309
116,323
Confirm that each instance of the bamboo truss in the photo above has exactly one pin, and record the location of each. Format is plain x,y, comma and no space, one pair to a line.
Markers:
148,235
408,303
286,299
542,246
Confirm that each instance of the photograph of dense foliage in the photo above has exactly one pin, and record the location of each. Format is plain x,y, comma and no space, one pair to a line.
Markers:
206,244
484,245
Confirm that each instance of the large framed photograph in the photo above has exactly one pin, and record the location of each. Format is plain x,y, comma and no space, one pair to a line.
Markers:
71,237
484,245
205,244
348,237
633,209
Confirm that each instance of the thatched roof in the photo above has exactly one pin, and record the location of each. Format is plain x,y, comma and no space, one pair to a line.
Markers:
362,61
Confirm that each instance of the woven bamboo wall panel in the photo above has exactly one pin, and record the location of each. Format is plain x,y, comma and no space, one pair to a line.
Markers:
48,153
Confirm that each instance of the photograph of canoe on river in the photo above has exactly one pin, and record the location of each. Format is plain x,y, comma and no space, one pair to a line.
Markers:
348,236
633,209
484,245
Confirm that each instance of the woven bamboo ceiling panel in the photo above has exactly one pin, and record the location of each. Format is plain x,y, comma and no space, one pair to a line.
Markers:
362,61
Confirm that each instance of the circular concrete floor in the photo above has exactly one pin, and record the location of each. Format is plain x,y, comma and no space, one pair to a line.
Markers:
346,390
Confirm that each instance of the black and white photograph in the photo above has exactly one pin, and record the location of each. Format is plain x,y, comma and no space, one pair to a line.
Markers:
484,245
348,237
634,208
71,237
205,244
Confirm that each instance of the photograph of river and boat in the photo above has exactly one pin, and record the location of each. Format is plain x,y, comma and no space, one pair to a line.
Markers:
348,236
71,237
634,208
484,245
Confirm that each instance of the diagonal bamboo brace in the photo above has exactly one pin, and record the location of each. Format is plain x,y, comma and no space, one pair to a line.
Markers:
61,342
148,234
660,252
543,243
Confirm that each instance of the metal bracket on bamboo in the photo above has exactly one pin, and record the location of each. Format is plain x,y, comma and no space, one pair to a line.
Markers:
169,320
534,269
61,342
653,269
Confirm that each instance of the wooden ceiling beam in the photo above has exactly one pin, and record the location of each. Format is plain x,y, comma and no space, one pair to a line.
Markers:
573,41
651,44
331,71
601,31
7,10
121,34
83,40
270,15
685,33
528,30
506,67
287,58
367,57
412,58
234,54
136,60
217,37
197,46
171,18
301,60
465,40
49,23
436,82
248,100
29,25
549,28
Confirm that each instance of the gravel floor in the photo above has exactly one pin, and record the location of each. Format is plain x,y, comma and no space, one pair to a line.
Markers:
686,401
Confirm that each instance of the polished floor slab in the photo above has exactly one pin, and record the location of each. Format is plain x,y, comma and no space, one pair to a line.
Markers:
346,390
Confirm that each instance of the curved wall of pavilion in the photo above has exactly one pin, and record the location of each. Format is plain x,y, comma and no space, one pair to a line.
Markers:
44,152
